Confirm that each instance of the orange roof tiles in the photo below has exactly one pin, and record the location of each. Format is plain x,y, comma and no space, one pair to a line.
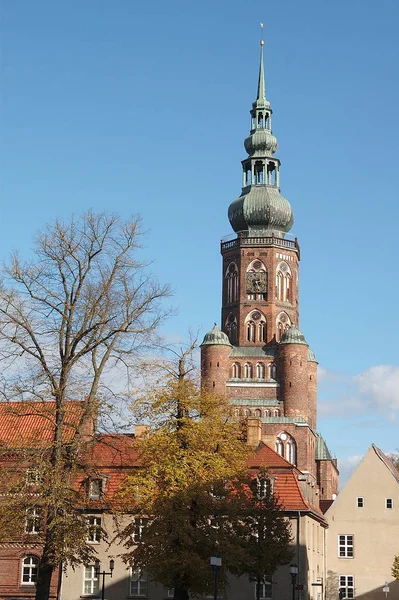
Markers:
31,424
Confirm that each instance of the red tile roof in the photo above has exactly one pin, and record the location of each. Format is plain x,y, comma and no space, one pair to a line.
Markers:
31,424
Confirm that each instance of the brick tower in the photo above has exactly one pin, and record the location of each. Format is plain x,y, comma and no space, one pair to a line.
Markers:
259,358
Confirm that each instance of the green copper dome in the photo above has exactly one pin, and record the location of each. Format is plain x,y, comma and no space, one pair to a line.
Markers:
261,210
311,356
215,337
292,335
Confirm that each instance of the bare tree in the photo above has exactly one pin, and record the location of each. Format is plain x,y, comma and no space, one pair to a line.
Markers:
84,304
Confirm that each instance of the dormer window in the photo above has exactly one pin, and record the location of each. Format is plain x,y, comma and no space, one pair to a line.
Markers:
96,488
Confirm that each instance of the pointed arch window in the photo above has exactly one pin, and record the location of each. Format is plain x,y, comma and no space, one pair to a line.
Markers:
272,371
256,327
236,371
286,446
257,413
247,412
248,371
231,277
251,331
267,413
231,328
260,370
282,323
283,283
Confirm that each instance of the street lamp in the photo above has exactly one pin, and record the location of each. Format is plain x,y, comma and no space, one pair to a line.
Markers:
216,564
294,575
385,589
103,573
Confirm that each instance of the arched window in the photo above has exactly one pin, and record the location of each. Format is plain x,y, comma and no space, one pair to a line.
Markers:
251,331
287,447
231,328
290,453
256,280
282,323
256,327
272,371
260,371
276,413
247,412
30,566
235,371
231,276
257,413
248,371
267,413
283,283
279,447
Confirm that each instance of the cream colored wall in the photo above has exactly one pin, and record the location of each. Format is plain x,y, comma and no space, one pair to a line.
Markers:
374,527
309,556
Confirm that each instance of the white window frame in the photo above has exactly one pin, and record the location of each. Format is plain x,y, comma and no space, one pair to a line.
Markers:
347,583
263,586
93,529
139,524
90,575
345,545
390,500
33,520
31,564
139,578
360,502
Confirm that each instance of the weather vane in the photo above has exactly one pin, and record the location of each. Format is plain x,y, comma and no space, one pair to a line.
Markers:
261,34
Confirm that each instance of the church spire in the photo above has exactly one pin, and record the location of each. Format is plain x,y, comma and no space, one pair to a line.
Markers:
261,210
261,96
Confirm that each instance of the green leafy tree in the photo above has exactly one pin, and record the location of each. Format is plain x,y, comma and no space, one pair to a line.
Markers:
195,491
84,304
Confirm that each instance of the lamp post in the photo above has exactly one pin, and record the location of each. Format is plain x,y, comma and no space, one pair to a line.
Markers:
385,589
294,574
216,564
103,573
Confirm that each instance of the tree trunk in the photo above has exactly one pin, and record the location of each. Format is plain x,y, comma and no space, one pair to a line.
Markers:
180,593
44,574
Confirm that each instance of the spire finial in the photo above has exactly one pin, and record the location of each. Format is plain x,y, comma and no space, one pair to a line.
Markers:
261,81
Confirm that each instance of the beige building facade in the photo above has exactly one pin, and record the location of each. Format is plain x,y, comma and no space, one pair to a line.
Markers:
363,532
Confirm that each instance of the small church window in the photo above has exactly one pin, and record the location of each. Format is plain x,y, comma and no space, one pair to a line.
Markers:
236,371
360,502
389,503
248,371
260,370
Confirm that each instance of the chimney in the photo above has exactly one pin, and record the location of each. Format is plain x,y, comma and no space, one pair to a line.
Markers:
254,431
141,431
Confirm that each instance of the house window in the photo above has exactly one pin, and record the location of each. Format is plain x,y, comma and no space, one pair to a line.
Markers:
96,488
346,586
360,502
265,590
389,503
345,546
170,593
90,580
32,477
94,529
33,520
30,566
261,487
139,524
138,583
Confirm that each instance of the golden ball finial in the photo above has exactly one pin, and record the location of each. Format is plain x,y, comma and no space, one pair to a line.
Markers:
262,43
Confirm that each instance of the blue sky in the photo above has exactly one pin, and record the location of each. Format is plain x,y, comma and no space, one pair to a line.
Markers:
143,107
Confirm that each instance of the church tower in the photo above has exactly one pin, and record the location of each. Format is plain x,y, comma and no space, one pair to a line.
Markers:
259,358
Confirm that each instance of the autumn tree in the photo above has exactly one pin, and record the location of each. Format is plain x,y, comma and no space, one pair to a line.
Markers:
395,567
85,304
194,491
